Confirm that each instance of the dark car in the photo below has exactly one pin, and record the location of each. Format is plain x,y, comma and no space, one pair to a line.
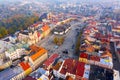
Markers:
66,51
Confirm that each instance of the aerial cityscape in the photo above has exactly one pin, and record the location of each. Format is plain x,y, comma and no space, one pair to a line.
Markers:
59,39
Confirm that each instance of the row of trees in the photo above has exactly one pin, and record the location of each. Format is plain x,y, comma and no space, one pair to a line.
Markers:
78,41
11,25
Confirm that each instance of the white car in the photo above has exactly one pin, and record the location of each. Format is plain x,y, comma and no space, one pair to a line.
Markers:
55,32
61,33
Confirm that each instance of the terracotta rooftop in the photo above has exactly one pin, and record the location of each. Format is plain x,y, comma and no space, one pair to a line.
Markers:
24,65
83,55
51,59
69,78
57,66
69,66
95,58
35,48
80,69
45,27
90,48
107,53
38,54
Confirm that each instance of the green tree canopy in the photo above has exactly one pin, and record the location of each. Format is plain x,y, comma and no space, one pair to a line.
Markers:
3,31
18,22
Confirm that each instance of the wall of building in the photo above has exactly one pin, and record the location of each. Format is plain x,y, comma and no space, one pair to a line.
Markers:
35,65
39,60
22,75
117,53
6,65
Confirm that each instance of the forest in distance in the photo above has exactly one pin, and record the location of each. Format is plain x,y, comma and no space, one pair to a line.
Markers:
16,23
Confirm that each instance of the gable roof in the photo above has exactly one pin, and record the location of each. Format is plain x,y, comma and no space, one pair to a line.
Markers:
80,69
69,66
38,54
24,65
34,48
45,28
51,59
83,55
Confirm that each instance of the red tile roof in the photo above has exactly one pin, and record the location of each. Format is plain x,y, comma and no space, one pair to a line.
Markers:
104,40
90,48
83,55
95,28
57,66
69,66
45,28
51,59
38,54
69,78
95,58
106,54
87,31
35,48
80,69
24,65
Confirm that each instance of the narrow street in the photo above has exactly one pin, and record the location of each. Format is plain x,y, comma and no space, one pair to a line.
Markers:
116,64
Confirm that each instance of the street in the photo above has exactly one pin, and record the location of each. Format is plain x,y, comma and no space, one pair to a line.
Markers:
116,64
70,40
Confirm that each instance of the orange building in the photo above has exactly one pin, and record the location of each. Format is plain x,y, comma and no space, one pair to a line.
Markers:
46,30
38,56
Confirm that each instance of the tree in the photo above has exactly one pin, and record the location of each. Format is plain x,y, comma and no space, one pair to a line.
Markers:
3,31
61,40
11,30
16,22
55,40
58,40
78,42
1,36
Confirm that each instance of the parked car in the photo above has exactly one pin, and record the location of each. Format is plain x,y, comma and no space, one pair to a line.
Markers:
56,47
65,51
